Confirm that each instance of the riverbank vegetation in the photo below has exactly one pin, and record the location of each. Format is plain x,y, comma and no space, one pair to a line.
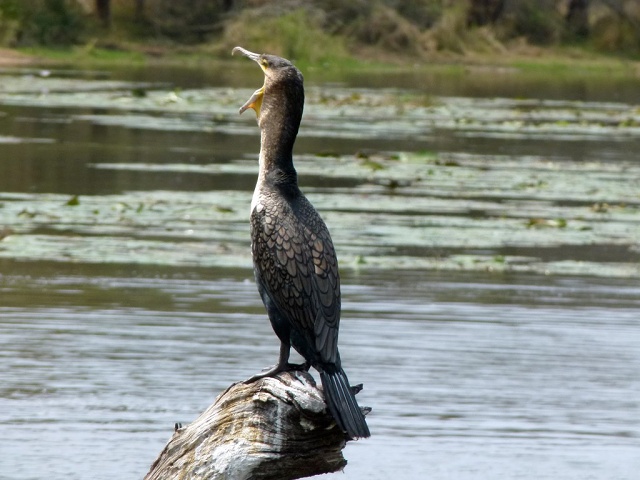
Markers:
401,32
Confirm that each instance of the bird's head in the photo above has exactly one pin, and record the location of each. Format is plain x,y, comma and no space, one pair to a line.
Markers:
281,97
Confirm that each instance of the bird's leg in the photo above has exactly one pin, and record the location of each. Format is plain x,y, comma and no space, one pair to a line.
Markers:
282,366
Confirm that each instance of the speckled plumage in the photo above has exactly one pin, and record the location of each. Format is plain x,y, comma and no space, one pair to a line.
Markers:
295,263
297,270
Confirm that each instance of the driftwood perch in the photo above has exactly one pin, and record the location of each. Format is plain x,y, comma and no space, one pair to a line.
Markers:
273,428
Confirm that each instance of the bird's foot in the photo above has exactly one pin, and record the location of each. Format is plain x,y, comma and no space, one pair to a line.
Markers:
299,366
273,371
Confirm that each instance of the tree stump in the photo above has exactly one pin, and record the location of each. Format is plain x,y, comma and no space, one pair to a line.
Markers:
274,428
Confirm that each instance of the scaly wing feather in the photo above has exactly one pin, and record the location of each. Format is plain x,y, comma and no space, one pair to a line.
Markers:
294,254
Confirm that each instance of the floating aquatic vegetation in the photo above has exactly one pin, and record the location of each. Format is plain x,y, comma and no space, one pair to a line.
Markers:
7,139
74,201
440,219
335,112
427,209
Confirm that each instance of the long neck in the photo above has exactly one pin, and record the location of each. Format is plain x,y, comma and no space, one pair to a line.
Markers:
279,121
276,149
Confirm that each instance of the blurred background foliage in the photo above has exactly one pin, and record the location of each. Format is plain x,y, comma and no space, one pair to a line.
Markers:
322,29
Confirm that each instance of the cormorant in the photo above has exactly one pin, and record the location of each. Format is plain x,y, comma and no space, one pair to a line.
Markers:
294,261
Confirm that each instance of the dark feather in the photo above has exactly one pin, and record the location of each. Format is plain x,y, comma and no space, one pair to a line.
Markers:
294,255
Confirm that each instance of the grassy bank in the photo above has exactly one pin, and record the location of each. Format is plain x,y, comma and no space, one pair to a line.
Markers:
548,61
530,36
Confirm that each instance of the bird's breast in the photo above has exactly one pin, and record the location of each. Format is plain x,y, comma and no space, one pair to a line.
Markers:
255,200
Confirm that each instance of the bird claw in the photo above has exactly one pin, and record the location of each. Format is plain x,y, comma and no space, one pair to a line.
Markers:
273,371
299,366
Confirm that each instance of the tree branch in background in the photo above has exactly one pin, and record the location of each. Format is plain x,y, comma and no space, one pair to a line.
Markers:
484,12
577,18
103,9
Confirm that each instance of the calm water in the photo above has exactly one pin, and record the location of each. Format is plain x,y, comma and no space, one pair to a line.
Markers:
470,374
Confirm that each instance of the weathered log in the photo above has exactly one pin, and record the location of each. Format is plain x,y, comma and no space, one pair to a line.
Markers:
273,428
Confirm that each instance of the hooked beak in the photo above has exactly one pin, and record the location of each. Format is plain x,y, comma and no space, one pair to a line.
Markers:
255,101
253,56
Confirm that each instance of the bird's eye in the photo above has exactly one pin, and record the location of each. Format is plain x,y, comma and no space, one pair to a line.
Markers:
264,62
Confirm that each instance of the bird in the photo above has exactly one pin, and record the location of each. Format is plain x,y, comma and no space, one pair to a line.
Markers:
294,260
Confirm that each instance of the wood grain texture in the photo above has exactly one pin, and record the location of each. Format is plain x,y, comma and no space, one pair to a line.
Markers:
274,428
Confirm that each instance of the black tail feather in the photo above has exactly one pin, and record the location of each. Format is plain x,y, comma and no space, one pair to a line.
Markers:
343,405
